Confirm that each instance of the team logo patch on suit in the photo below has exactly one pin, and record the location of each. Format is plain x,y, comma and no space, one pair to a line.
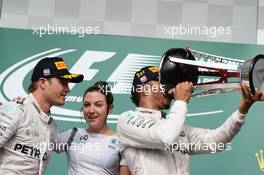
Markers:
33,133
84,138
140,122
182,134
113,143
129,114
9,109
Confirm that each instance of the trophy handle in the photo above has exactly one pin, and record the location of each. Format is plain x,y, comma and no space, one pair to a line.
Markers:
215,58
207,65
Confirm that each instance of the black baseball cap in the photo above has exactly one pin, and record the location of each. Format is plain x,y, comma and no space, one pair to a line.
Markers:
54,67
145,75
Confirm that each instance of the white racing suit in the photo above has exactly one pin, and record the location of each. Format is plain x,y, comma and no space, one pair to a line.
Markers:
25,132
155,145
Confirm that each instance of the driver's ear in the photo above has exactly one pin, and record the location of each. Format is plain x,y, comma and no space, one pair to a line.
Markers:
41,83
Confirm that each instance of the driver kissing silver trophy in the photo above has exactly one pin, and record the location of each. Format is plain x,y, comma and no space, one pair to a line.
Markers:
155,143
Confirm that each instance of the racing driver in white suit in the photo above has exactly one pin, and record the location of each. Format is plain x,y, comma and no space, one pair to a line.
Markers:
27,129
156,144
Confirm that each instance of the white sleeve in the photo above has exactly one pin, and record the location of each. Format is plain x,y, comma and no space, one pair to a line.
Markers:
9,120
62,139
122,161
136,131
214,140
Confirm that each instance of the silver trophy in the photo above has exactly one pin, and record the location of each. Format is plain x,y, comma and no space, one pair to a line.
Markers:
222,74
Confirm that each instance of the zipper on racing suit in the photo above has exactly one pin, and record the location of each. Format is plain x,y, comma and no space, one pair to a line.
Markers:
46,148
174,160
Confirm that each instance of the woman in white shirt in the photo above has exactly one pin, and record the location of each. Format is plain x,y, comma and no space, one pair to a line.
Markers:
94,150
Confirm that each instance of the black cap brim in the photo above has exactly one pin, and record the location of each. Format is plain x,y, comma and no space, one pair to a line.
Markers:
73,78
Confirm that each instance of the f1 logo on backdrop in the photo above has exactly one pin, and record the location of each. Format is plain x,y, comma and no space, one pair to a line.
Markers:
121,77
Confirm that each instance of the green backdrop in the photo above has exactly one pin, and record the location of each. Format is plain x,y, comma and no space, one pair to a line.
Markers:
18,45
